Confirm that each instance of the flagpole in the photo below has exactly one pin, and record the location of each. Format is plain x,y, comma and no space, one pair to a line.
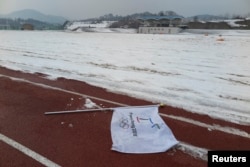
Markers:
99,109
77,111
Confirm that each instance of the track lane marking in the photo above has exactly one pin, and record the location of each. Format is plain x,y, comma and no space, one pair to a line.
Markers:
62,90
187,148
229,130
39,158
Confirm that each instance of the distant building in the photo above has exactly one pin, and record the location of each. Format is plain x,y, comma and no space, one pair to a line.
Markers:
4,27
27,26
160,24
4,24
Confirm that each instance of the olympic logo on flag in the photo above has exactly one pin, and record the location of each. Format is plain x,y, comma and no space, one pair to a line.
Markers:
158,126
124,123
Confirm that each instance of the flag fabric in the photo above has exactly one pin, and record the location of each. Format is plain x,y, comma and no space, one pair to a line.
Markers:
140,130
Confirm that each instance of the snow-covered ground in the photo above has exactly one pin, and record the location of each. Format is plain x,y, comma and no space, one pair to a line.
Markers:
102,27
77,24
231,22
189,70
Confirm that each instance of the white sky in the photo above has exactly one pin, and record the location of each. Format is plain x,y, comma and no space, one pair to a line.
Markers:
80,9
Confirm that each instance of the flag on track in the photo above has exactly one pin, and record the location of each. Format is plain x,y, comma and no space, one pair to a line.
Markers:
140,130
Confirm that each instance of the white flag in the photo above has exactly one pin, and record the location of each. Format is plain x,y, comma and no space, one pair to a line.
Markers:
140,130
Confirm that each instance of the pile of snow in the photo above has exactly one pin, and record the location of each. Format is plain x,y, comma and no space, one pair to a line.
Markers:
89,104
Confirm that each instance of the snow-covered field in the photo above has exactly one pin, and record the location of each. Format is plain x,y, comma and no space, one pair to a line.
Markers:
188,70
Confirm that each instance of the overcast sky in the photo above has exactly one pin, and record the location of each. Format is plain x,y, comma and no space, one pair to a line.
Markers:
82,9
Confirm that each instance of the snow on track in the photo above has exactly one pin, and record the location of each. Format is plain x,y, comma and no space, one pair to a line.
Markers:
185,147
228,130
190,71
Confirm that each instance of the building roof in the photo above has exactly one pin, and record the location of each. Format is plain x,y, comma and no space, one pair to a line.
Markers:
160,17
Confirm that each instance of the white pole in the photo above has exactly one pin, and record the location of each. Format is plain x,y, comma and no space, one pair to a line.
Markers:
77,111
99,109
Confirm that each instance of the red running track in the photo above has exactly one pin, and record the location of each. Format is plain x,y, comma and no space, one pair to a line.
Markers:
84,139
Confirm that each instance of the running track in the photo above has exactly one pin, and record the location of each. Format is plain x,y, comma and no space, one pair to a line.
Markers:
29,138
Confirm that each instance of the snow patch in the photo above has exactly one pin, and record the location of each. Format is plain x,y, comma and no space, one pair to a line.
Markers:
233,23
196,152
80,24
186,70
89,104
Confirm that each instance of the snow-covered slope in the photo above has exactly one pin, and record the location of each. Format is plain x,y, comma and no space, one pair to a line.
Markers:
231,22
81,26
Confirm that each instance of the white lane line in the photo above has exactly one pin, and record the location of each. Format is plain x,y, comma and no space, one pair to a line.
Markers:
62,90
228,130
194,151
43,160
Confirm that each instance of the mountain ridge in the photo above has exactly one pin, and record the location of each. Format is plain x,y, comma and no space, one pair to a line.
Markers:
36,15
